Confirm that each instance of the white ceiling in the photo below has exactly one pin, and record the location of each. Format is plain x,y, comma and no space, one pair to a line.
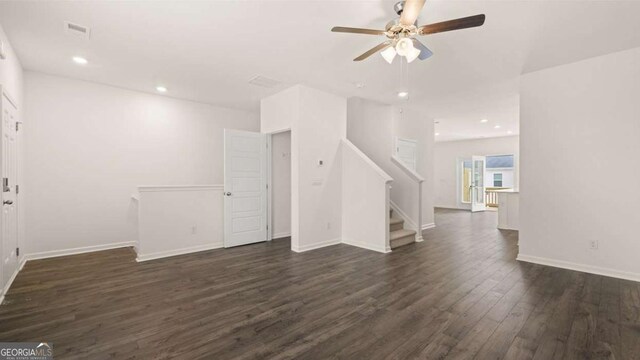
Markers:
207,51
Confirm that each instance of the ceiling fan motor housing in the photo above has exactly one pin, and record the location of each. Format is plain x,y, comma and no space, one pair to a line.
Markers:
398,7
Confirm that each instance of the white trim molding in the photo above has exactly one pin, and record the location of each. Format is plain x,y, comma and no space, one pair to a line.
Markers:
383,175
579,267
410,172
5,290
402,214
428,226
176,252
319,245
150,188
281,235
351,242
79,250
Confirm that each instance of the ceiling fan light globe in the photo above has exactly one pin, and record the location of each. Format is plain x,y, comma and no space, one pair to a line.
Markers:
412,54
403,46
389,54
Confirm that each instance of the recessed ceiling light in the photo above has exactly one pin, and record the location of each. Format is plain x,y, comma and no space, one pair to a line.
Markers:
161,89
497,127
403,94
437,134
484,120
80,60
509,132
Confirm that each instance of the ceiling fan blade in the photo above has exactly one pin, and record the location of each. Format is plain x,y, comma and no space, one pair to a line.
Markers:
456,24
357,30
425,53
379,47
410,11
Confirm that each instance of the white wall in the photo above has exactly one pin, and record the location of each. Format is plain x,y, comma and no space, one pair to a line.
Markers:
447,154
11,71
412,124
89,146
365,201
508,177
176,220
11,79
373,127
580,128
279,111
281,184
318,123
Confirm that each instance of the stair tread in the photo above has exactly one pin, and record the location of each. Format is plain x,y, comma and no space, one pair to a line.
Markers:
401,233
394,221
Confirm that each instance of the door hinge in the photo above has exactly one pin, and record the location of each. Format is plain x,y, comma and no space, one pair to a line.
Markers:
17,251
267,186
17,125
17,189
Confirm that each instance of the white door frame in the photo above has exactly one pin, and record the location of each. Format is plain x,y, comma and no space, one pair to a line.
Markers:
249,236
475,187
415,154
270,181
4,286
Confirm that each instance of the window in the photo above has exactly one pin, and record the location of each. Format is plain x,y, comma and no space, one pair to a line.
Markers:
500,162
466,181
497,180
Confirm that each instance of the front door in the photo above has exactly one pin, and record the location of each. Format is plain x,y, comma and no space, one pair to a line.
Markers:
245,187
477,183
9,170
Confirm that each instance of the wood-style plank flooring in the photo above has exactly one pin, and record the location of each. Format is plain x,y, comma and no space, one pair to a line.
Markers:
459,294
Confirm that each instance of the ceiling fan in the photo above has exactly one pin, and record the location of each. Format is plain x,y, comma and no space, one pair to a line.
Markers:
401,33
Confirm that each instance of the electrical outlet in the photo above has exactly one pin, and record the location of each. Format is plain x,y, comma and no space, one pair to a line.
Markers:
328,225
194,230
593,244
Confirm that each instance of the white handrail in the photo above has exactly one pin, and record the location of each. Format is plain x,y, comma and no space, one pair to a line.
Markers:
412,174
418,179
368,161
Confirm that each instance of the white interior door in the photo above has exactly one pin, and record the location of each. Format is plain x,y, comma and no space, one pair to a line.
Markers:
245,187
407,151
478,168
9,171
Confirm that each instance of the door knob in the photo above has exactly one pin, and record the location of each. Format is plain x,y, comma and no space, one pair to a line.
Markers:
227,194
8,202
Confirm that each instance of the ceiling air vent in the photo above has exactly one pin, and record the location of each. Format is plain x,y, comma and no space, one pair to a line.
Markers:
264,82
77,30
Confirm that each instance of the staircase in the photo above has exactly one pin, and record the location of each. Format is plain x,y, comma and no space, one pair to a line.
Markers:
398,235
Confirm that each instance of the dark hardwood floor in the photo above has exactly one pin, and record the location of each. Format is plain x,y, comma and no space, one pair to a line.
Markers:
458,294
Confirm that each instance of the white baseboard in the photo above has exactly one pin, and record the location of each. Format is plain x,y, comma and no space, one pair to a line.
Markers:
281,235
11,279
319,245
580,267
183,251
452,208
428,226
382,249
80,250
